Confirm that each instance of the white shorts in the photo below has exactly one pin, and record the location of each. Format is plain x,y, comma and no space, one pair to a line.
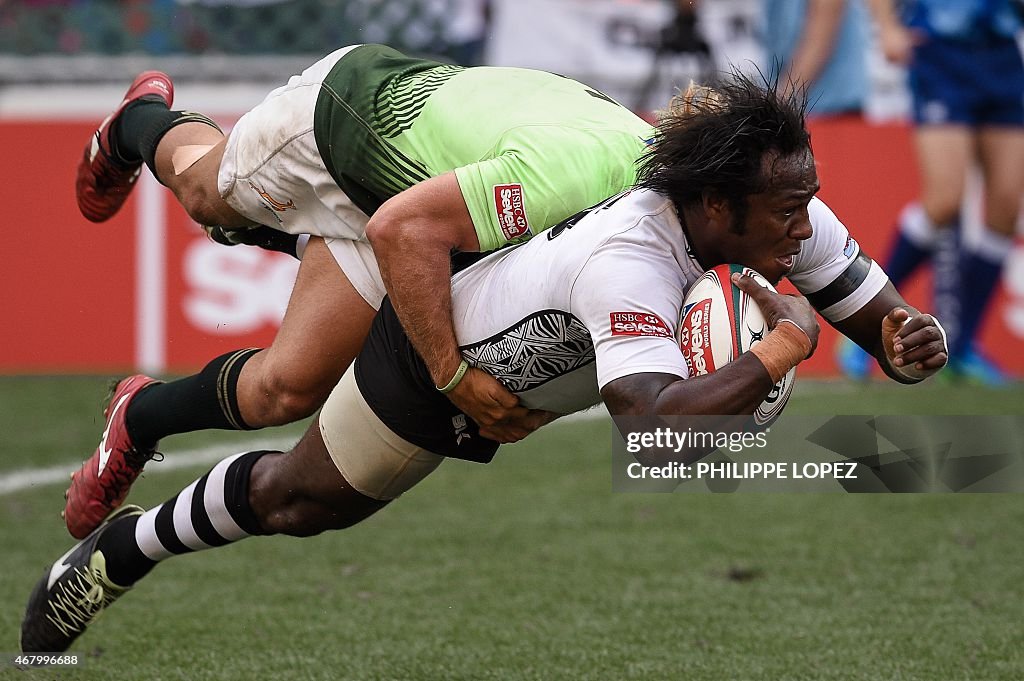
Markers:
372,458
357,260
272,173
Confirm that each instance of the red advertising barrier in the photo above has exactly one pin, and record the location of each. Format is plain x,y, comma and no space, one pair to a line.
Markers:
67,285
220,298
148,290
868,173
75,294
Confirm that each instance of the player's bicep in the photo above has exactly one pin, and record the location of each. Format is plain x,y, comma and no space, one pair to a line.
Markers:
431,213
832,270
635,394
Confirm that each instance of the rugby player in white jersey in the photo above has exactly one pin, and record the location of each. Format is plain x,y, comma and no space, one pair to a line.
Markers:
367,146
730,178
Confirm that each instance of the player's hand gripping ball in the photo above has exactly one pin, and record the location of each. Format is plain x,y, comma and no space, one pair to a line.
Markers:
719,323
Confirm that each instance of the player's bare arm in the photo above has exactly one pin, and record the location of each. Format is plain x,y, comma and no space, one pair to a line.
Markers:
816,43
896,40
413,235
908,344
738,387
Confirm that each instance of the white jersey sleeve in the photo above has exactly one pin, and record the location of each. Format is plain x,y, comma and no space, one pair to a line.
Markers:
629,295
831,271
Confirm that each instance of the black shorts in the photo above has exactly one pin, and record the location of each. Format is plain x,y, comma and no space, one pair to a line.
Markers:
396,384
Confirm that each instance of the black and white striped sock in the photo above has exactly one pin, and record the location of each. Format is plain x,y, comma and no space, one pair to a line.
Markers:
212,511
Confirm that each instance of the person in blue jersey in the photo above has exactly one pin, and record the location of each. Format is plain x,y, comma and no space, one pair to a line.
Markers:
966,78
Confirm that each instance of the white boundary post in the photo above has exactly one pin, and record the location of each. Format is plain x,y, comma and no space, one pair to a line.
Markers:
150,275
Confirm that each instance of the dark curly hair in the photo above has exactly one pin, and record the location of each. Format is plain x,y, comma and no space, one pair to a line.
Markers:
715,139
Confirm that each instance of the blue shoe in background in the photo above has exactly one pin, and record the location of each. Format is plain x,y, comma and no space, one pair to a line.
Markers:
974,367
854,362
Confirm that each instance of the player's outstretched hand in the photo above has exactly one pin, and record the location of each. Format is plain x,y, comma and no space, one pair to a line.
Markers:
777,307
915,343
484,399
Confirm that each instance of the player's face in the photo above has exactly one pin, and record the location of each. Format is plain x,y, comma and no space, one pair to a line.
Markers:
768,236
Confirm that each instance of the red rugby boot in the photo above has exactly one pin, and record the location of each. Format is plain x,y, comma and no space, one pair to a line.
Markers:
103,481
104,180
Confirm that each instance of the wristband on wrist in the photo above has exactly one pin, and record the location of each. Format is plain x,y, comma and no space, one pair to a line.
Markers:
783,348
907,375
456,379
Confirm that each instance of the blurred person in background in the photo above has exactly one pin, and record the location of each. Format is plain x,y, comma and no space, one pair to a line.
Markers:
681,36
820,44
466,32
966,79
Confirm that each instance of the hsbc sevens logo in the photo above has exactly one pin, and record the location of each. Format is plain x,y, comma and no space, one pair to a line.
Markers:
638,324
508,202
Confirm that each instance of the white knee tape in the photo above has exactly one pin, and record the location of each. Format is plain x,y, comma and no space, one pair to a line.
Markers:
373,459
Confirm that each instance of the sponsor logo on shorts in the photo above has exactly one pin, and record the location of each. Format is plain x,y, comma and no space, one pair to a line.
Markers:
508,201
460,426
850,248
272,203
639,324
935,112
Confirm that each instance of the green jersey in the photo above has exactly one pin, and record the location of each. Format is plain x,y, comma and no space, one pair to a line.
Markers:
528,148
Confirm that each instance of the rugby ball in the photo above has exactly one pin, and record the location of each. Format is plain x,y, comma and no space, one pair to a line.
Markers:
719,322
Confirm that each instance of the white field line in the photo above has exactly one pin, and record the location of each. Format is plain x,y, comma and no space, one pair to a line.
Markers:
186,458
19,480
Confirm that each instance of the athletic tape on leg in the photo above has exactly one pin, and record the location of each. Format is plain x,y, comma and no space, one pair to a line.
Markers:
186,156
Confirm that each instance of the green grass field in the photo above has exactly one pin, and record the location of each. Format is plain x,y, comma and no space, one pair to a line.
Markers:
531,568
